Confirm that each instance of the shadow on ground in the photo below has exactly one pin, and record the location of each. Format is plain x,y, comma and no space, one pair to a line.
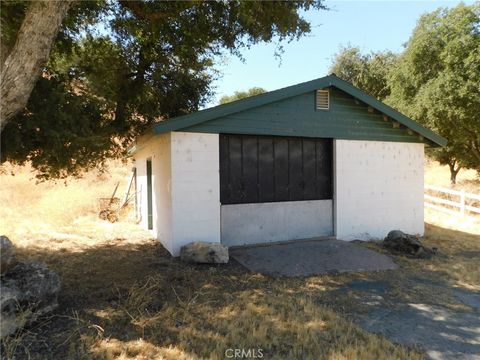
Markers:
135,301
443,332
433,304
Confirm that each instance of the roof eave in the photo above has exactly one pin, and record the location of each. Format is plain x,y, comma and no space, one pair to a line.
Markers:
391,112
280,94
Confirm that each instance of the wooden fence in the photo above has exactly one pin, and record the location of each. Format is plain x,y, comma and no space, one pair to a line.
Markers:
455,202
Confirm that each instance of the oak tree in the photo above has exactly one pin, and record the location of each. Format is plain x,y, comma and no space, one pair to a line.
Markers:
369,71
437,82
116,67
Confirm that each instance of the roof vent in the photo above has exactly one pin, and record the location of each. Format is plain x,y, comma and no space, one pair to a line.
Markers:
323,99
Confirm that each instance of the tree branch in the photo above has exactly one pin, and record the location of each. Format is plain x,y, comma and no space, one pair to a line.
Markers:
139,11
475,150
29,55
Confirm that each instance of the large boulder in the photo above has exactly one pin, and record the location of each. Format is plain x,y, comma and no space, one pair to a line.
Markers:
7,254
204,253
400,242
28,290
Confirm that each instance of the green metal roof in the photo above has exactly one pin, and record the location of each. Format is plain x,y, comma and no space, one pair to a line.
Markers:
187,121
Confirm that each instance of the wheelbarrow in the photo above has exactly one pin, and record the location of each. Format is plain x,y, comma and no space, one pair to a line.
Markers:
109,207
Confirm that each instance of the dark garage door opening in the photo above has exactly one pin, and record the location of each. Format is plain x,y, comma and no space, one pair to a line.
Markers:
258,169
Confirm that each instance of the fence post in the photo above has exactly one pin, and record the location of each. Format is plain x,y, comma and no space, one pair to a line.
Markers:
462,202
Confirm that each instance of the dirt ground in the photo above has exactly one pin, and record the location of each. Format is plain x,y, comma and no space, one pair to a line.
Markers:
433,304
128,299
124,297
133,301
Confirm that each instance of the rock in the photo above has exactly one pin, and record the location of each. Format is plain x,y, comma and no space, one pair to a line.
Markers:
28,290
10,321
202,252
407,244
7,254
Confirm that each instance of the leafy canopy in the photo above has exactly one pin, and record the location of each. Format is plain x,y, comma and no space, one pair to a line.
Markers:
437,81
119,66
237,95
366,71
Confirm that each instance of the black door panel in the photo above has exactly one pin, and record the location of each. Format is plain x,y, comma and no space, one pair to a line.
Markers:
255,169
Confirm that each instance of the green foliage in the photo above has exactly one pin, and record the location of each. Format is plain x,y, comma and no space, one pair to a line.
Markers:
241,95
369,72
118,67
11,15
57,143
437,81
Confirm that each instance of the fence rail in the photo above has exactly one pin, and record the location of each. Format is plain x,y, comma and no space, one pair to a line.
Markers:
462,207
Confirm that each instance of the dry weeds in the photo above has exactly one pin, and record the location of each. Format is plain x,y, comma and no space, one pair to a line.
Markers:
458,238
63,211
439,175
124,297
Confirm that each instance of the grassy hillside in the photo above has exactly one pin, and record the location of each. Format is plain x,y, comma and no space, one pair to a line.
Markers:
36,212
62,213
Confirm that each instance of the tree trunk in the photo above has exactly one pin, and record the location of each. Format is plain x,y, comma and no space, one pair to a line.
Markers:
476,149
29,55
453,171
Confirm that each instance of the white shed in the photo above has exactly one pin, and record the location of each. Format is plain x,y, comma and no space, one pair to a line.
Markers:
321,158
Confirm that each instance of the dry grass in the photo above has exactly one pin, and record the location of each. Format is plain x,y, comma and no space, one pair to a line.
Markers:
205,318
429,281
436,174
61,215
469,180
135,302
55,204
14,345
456,237
124,297
196,319
461,260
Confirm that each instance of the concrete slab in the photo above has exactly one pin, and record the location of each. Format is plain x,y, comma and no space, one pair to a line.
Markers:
311,257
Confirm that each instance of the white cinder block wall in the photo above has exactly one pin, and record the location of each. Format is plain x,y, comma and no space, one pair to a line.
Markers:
186,188
378,188
158,150
195,188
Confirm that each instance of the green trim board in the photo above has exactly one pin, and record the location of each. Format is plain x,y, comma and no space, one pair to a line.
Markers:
291,112
149,194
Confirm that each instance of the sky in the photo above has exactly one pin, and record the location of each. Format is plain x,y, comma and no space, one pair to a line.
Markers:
370,25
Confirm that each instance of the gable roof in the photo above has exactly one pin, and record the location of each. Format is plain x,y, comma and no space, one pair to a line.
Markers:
185,121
